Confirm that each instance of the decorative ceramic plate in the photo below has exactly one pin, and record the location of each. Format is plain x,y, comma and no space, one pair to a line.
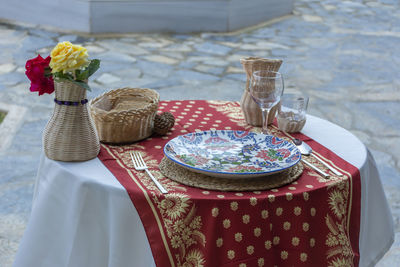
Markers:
227,153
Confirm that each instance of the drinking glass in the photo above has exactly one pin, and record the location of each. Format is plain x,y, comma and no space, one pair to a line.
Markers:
292,112
266,88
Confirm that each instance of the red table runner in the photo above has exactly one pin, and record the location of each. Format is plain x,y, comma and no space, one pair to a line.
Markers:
311,222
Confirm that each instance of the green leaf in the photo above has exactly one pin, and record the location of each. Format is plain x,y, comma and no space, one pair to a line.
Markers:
82,84
47,72
60,77
93,67
84,74
81,74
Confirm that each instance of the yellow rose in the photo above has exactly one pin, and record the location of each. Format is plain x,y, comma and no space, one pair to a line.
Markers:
67,57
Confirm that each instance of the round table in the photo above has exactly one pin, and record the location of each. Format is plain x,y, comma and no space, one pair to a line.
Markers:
82,216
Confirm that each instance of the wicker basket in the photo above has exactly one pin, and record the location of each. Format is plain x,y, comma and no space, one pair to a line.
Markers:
252,112
70,134
124,115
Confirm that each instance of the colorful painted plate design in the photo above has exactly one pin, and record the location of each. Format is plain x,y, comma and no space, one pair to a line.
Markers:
233,154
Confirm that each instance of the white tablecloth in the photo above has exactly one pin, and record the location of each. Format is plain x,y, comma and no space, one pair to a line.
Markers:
82,217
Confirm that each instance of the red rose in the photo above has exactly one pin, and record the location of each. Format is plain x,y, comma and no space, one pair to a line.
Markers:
35,71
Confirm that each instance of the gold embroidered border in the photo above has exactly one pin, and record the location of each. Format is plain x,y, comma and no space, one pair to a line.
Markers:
151,206
176,212
350,177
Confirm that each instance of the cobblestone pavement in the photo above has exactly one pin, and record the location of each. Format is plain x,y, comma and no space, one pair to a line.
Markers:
341,53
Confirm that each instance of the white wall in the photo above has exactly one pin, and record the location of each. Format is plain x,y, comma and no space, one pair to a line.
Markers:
182,16
69,15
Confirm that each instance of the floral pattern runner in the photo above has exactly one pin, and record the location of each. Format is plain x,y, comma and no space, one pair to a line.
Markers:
311,222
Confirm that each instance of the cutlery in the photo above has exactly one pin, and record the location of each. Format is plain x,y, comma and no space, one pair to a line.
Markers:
140,165
324,174
305,149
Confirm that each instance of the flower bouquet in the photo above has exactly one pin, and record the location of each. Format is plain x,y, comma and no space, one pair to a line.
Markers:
70,134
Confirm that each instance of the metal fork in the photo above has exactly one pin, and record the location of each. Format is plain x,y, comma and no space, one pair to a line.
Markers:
140,165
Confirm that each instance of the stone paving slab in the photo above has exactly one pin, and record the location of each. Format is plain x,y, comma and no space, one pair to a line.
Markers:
343,54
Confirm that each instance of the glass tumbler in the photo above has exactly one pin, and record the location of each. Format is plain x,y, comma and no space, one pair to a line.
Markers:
292,112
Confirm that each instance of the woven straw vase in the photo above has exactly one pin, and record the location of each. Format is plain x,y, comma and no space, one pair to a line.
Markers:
252,112
70,134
